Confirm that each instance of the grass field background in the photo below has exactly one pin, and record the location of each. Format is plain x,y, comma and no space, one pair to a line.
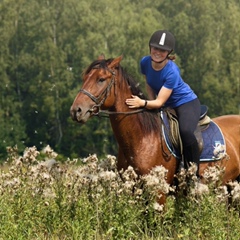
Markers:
43,198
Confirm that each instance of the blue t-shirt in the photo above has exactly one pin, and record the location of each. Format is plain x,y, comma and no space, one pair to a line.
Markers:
170,78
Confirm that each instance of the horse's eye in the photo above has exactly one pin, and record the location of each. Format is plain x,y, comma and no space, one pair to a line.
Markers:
101,79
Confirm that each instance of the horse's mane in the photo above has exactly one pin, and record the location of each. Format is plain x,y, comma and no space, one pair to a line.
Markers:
102,63
148,119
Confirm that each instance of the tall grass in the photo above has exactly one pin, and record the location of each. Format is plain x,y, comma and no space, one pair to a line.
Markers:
41,198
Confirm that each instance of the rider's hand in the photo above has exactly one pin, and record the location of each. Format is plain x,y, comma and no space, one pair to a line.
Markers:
135,102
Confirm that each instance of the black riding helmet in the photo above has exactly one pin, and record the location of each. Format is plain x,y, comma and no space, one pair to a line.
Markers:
162,39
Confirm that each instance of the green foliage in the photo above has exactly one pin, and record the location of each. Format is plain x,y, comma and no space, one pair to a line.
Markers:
86,199
46,45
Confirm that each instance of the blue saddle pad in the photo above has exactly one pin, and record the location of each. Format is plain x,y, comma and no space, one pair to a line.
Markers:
213,141
214,147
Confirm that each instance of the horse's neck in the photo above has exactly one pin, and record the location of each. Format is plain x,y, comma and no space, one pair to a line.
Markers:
125,127
124,122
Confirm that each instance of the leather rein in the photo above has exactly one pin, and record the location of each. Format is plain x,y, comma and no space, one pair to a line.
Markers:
96,109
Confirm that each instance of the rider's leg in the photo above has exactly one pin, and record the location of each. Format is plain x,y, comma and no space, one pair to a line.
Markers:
192,155
188,117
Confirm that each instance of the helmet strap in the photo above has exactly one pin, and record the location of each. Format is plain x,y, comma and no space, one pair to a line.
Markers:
160,61
163,59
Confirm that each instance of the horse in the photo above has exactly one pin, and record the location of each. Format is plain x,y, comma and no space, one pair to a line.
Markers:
106,86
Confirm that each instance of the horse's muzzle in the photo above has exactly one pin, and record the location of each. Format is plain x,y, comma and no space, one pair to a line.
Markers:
79,115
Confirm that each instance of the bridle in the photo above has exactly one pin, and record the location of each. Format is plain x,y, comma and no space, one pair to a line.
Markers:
102,97
95,109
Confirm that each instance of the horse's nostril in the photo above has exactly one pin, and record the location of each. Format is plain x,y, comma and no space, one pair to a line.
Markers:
74,111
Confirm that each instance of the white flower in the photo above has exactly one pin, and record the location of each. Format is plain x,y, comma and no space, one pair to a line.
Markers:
222,193
235,192
107,175
129,174
49,152
158,207
213,174
199,189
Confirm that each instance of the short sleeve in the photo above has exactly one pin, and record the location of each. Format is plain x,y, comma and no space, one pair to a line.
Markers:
143,65
170,80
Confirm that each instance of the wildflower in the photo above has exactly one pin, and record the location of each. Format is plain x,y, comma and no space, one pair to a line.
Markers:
181,177
222,193
30,154
213,174
219,151
235,190
151,180
128,185
158,207
192,169
13,183
114,185
156,180
129,174
90,159
46,176
109,163
49,163
132,202
107,175
138,191
199,189
48,193
49,152
19,162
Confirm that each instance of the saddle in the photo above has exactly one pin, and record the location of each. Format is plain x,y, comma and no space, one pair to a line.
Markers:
174,133
211,142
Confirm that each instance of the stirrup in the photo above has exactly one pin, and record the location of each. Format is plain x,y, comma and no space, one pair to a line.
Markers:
204,110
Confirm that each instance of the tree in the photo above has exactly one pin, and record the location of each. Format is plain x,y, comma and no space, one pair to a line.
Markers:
46,45
206,51
12,125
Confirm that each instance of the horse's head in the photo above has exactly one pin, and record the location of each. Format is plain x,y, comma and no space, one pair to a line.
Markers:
97,90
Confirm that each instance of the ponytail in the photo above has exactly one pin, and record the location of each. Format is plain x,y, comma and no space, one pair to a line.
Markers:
171,57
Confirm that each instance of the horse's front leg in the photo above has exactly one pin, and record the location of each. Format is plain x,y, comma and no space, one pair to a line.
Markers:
161,199
122,163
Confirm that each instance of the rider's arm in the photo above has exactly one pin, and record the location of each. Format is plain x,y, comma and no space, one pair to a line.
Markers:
162,97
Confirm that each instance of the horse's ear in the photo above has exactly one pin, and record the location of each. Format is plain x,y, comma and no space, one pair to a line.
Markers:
115,62
101,56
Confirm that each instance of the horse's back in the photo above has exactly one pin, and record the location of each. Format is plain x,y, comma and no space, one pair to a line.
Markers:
225,118
229,124
230,127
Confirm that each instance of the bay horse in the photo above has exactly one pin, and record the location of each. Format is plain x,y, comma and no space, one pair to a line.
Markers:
106,86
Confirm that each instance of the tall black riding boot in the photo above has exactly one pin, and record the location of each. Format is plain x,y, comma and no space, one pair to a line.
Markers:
192,154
